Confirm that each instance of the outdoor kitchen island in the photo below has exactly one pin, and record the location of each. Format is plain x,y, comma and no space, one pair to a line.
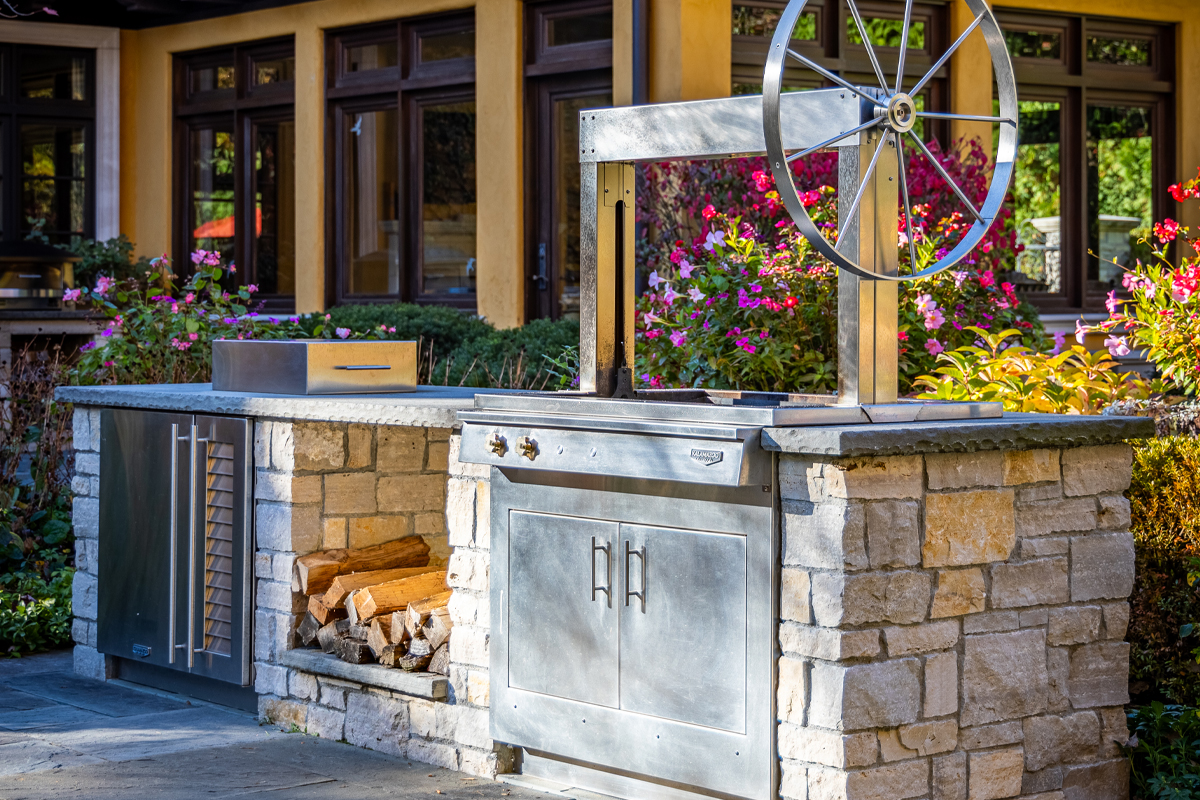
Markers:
883,610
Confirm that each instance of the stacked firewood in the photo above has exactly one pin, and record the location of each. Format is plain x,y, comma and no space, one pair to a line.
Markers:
380,604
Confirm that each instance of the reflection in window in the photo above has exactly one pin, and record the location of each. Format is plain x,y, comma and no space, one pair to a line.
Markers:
53,188
365,57
566,196
1036,198
578,29
758,21
374,224
212,166
50,75
444,46
206,79
1034,44
275,70
1120,195
887,32
1124,52
274,249
448,199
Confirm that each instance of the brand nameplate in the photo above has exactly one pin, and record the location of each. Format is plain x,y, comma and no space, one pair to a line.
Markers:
707,457
141,650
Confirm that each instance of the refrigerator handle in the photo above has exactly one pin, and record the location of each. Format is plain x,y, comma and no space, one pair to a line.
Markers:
172,570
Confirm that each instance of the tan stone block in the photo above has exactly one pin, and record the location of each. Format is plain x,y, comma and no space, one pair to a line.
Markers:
430,524
897,597
892,782
822,746
964,470
828,644
1069,739
359,439
285,714
1097,470
412,492
1107,780
995,774
479,688
460,511
333,533
941,685
959,592
1114,726
949,777
368,531
1044,548
792,693
877,478
1004,676
1073,625
973,527
892,749
1063,515
795,603
437,456
1044,491
1030,466
1114,513
921,638
1100,675
350,493
1031,583
878,695
793,780
399,449
318,445
824,535
991,622
1116,620
1102,566
893,533
1058,673
988,736
483,515
460,469
930,738
1033,617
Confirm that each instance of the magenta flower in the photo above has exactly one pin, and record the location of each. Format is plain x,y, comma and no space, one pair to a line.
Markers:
678,338
670,295
1112,303
71,295
1080,331
1117,346
713,240
1060,341
685,269
343,333
934,347
934,319
252,288
695,294
653,280
104,285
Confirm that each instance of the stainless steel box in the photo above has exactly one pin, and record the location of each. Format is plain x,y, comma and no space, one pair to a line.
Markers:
314,367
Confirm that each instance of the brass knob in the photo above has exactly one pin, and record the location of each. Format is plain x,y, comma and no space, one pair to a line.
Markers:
527,447
497,444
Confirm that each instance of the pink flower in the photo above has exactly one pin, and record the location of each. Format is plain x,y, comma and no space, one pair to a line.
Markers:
252,288
809,199
695,294
987,279
745,301
713,240
934,319
653,280
193,336
762,181
104,285
959,277
174,308
197,256
925,303
678,338
190,298
109,363
1112,303
934,347
670,295
744,343
1060,340
1166,231
685,269
708,213
1080,331
71,295
1117,346
343,333
754,287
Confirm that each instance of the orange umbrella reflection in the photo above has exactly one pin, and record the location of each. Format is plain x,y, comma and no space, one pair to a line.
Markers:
223,228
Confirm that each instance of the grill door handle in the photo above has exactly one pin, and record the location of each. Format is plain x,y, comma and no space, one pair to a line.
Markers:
607,588
174,528
363,366
198,474
641,554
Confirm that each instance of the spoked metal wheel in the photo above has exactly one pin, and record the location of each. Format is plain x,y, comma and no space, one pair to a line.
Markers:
892,108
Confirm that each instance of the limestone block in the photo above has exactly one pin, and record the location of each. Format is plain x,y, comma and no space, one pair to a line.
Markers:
1058,671
283,447
81,486
792,692
1031,583
879,695
930,738
270,679
83,596
479,688
439,434
923,638
941,685
458,468
893,533
831,748
959,591
991,622
377,723
1004,676
972,527
412,493
334,533
1045,491
94,430
1102,566
793,781
282,565
481,763
891,782
460,511
1034,617
1042,548
437,456
430,523
262,566
1030,466
287,528
85,518
995,774
1107,780
985,737
467,608
898,597
302,685
358,439
400,449
368,531
469,645
278,597
964,470
1116,620
81,430
1060,740
1114,732
435,753
90,663
328,723
1045,517
87,463
83,632
825,535
1114,513
875,478
283,487
795,603
350,493
483,515
949,777
800,479
317,446
468,570
333,692
1097,470
827,644
1073,625
86,551
1046,780
1100,675
284,714
892,749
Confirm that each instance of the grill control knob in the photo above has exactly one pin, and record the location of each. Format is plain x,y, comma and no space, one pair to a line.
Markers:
527,447
497,444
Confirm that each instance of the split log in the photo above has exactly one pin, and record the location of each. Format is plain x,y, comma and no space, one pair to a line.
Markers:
440,662
437,627
390,656
411,663
308,629
329,635
351,609
315,572
354,651
322,613
343,585
385,598
420,647
359,632
400,634
380,635
419,611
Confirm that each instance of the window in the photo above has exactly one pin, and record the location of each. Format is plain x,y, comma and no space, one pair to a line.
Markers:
403,203
1095,151
235,164
568,67
47,127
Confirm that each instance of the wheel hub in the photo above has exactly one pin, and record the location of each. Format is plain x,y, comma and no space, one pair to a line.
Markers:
901,113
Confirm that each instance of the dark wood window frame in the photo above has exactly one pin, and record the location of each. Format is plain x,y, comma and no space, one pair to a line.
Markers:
243,107
1078,83
15,111
410,83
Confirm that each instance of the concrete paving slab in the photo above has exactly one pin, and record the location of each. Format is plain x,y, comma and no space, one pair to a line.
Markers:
49,718
147,735
39,664
113,701
14,700
9,738
35,755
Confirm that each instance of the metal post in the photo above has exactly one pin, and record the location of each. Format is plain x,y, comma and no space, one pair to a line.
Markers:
606,266
868,310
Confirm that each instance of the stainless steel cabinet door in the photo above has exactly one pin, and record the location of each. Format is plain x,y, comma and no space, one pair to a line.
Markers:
562,622
683,625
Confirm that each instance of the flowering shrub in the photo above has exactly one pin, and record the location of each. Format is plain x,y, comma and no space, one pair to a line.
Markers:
160,334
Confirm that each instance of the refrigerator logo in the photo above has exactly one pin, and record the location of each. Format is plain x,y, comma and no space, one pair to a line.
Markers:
707,457
141,650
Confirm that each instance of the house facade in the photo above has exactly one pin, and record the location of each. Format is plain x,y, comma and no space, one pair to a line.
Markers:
344,151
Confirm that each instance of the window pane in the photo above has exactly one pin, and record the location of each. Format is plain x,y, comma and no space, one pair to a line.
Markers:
275,70
755,21
566,196
1036,199
207,79
374,226
275,209
54,189
1119,147
361,58
1125,52
887,32
1034,44
211,216
443,46
53,76
448,199
583,28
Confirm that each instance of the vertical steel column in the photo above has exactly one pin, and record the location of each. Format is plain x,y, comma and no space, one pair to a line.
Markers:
606,276
867,309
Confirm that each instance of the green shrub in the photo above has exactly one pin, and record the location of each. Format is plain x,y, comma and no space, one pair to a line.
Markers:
1164,759
35,614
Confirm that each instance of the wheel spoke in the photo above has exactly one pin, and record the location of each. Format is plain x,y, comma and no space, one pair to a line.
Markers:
845,84
946,56
862,190
969,117
946,176
869,124
862,30
912,245
904,44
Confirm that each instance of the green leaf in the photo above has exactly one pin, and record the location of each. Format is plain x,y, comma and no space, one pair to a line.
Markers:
192,324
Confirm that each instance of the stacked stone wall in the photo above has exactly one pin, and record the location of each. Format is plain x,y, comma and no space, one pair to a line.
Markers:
85,518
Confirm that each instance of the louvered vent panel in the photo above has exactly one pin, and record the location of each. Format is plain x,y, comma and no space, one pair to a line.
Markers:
218,550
